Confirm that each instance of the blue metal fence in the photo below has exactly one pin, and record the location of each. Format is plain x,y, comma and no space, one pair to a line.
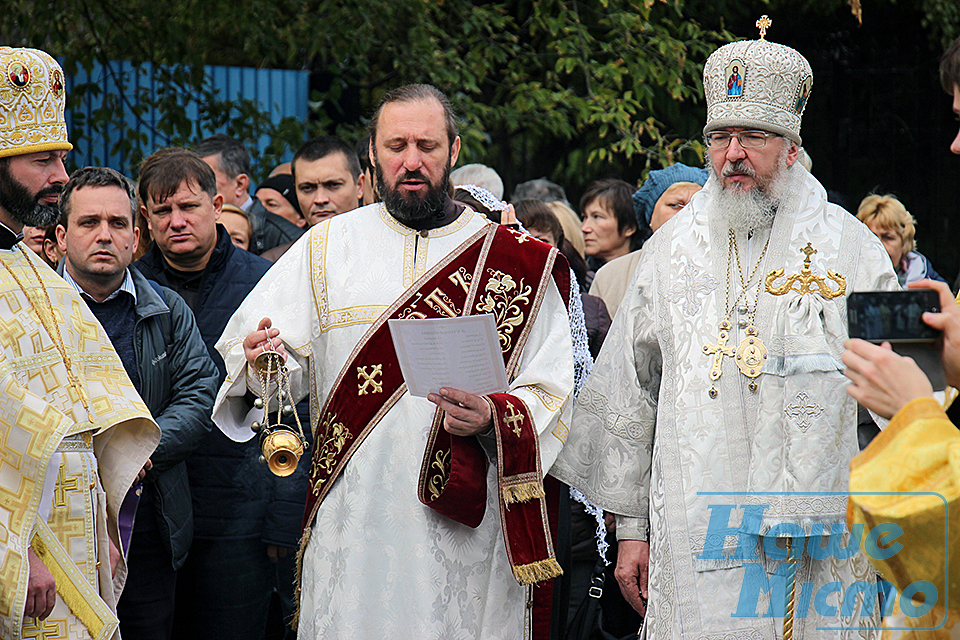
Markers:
277,92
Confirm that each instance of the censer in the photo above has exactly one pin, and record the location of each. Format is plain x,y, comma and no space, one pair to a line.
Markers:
280,446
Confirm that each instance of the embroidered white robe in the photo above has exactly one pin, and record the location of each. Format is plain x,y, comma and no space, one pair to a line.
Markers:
63,471
379,563
648,440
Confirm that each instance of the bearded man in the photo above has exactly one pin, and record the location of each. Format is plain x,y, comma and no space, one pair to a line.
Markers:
408,533
715,423
74,434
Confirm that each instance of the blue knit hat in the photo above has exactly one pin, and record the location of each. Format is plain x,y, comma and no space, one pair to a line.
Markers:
659,181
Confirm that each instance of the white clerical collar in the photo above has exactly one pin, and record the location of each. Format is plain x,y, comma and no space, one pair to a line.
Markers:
127,286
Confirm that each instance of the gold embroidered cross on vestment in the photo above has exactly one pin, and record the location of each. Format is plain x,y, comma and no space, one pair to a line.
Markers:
514,419
369,380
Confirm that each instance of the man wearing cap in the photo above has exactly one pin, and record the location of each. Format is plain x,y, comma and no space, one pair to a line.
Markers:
278,195
721,436
74,434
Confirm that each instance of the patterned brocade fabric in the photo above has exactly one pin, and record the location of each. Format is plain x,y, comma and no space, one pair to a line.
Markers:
650,443
916,461
64,468
380,564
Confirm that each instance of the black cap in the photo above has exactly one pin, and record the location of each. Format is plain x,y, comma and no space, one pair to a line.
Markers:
283,182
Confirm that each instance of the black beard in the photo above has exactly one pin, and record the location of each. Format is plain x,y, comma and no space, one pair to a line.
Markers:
413,210
24,208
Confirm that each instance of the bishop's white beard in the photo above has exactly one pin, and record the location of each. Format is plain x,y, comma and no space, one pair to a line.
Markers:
749,211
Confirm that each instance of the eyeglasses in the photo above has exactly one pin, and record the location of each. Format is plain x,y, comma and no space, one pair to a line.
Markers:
747,139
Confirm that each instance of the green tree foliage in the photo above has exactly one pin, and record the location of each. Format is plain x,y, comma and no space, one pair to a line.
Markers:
571,89
565,88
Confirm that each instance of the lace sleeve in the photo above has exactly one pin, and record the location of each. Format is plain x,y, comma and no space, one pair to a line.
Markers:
582,360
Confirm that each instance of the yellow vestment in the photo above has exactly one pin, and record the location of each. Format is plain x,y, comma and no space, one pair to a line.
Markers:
916,459
64,467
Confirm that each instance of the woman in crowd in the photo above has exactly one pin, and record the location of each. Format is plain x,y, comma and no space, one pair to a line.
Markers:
892,223
664,193
237,224
540,222
610,228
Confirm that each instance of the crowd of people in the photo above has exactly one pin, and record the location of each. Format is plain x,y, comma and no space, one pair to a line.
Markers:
675,356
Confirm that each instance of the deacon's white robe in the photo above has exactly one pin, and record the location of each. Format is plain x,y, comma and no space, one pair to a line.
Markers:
380,564
647,440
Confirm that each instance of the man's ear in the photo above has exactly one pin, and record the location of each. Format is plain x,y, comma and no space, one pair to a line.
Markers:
143,212
242,188
793,154
361,181
62,238
217,206
455,151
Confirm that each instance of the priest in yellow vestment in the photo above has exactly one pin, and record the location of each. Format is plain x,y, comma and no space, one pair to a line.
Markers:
908,480
73,432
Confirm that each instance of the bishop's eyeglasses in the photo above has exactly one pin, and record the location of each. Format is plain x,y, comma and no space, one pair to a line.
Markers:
747,139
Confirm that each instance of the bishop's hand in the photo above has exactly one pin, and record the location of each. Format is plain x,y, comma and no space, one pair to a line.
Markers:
633,569
258,342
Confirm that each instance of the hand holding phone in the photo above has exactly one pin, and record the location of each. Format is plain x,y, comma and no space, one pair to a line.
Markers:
896,317
948,322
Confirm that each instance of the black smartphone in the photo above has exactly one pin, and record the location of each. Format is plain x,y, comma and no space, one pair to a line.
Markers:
892,316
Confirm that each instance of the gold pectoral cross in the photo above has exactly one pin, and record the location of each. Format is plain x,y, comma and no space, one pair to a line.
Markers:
718,350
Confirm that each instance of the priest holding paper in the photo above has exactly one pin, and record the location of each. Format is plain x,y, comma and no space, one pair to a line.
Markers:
425,517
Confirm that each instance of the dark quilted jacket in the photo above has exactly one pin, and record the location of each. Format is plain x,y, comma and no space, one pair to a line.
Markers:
231,489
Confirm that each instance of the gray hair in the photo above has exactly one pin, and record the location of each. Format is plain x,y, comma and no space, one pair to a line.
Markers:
540,189
234,157
480,175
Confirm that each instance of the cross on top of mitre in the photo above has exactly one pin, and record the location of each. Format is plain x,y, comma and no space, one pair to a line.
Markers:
763,24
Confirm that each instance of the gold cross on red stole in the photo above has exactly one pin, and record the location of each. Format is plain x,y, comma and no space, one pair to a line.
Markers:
369,380
514,419
763,24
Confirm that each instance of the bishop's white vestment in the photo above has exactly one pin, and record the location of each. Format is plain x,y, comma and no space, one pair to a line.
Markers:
649,443
379,563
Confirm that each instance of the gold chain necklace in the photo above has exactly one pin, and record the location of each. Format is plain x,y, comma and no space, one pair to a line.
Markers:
751,353
54,332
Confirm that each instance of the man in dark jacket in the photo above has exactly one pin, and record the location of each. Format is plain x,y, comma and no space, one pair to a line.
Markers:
230,162
225,586
155,335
